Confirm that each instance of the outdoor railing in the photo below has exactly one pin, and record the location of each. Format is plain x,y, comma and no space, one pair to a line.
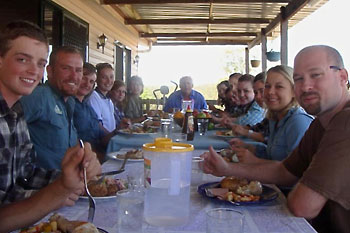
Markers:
151,104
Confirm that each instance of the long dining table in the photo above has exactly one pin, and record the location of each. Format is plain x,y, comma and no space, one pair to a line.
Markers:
268,217
200,142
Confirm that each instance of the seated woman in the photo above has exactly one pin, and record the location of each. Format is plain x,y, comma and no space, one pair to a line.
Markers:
252,113
221,88
287,121
117,95
133,108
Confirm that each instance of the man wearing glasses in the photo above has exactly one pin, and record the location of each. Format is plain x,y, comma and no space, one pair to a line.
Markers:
319,167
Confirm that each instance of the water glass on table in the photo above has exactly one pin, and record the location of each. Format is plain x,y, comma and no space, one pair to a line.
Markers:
165,127
224,220
130,211
202,124
197,173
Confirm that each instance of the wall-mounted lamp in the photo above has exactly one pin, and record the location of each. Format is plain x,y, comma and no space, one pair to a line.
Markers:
136,60
102,39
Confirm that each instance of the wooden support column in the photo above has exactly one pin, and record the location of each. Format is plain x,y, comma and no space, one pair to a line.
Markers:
246,60
284,37
263,50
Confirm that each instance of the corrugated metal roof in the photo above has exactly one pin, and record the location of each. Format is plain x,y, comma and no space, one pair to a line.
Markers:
194,22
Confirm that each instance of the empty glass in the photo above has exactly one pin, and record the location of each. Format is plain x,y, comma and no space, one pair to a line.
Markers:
224,220
130,211
197,173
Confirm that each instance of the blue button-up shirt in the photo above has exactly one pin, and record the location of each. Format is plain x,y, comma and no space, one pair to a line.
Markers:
87,123
285,134
175,101
50,124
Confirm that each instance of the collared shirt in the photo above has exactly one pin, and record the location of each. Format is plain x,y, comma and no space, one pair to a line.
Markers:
103,108
254,115
50,122
18,173
285,134
87,123
175,100
118,115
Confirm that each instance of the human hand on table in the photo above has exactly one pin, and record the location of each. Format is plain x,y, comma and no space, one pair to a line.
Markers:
246,156
236,143
125,123
214,163
239,130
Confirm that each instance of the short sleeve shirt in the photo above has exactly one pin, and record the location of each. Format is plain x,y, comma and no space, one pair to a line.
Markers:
50,123
175,101
322,162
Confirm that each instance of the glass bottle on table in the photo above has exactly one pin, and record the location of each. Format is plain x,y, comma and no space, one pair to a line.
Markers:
188,124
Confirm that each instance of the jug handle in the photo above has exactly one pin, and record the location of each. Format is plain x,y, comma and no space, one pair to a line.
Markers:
175,179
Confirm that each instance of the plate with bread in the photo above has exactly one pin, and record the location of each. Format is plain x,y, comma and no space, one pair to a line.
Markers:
237,191
59,224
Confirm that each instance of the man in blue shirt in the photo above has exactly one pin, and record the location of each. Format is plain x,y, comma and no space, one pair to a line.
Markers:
186,92
49,109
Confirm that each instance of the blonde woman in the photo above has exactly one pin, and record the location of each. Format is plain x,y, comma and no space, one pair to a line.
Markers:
287,120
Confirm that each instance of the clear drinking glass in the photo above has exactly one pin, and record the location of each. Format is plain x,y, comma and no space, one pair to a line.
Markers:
165,127
202,124
130,211
224,220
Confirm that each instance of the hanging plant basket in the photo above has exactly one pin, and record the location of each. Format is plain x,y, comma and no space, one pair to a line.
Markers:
255,63
273,56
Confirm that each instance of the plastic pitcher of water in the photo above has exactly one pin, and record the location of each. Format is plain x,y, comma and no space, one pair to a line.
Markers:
167,182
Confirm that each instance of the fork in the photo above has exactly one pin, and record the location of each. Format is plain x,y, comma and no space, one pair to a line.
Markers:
121,169
92,203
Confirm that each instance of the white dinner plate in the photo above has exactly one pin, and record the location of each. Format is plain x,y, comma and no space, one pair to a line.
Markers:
115,155
98,198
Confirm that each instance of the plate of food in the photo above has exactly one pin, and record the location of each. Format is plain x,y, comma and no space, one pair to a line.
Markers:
134,155
139,131
106,189
226,134
59,224
236,191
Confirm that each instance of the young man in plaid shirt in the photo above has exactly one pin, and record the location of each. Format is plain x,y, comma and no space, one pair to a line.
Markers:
23,57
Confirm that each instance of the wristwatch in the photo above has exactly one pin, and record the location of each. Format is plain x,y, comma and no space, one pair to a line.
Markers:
250,132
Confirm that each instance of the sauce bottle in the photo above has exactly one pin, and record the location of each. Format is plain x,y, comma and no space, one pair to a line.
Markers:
188,124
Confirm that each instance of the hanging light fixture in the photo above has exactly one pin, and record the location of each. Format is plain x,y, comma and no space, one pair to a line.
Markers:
102,39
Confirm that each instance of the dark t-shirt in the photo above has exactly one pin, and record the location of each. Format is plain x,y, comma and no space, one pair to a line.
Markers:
322,162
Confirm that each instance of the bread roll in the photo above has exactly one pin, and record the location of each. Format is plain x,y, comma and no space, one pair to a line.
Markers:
233,183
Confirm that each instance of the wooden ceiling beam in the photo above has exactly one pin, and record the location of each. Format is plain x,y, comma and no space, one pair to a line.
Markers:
197,21
199,34
108,2
201,43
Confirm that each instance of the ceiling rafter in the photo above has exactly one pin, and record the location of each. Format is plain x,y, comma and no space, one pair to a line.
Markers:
210,21
189,1
199,34
197,21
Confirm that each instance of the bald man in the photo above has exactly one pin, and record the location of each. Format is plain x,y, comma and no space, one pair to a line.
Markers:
186,92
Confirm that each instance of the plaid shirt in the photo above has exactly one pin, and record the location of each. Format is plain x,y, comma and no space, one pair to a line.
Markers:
18,173
253,115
